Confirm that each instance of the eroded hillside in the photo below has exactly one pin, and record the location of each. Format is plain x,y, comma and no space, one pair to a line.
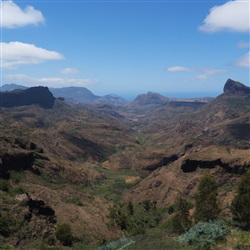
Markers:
70,164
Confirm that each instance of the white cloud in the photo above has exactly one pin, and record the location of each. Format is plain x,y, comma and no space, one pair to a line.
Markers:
13,16
17,53
49,81
209,72
69,71
244,61
179,68
243,45
232,16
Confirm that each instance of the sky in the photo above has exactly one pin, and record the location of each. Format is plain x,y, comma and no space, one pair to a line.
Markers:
175,48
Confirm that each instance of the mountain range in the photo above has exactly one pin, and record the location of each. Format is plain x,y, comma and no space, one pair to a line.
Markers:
74,95
73,163
81,95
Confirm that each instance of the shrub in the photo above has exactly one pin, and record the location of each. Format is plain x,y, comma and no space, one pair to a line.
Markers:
206,199
64,234
241,202
205,235
134,218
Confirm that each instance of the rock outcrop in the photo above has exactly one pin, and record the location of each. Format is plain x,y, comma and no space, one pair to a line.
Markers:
35,95
235,88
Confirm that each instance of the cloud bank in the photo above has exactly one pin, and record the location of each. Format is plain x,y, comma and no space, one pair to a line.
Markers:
244,61
204,73
17,53
48,81
210,72
243,45
13,16
179,68
69,71
231,16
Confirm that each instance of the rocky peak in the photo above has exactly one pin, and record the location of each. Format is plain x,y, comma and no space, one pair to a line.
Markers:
235,88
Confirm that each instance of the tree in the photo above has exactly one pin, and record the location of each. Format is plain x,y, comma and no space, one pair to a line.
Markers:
206,199
241,203
181,220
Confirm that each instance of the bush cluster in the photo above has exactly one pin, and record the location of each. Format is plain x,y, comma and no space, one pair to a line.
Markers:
135,218
205,235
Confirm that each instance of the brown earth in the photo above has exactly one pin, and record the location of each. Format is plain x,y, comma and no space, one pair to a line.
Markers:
86,152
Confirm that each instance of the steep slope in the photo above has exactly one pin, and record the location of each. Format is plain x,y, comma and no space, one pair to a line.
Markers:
71,163
74,95
52,155
35,95
215,138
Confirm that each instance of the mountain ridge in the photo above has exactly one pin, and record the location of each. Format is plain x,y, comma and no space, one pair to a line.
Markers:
34,95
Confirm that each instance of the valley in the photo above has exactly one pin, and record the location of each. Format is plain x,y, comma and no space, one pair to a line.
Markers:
110,169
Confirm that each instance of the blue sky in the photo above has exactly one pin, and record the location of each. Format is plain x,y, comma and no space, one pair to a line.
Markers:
176,48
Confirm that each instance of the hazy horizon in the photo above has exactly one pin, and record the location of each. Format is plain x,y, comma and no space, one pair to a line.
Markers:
126,47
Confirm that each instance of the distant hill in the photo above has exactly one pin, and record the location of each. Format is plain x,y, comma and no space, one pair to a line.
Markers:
75,95
35,95
148,99
78,94
11,87
145,103
111,100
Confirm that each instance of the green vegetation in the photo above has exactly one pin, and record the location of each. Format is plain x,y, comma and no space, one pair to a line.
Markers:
111,186
205,235
239,239
157,241
241,203
15,176
206,208
74,200
135,218
64,234
119,244
181,222
8,223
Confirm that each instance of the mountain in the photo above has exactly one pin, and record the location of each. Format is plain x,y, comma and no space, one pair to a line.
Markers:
84,164
149,99
111,100
214,138
235,88
55,156
11,87
77,94
35,95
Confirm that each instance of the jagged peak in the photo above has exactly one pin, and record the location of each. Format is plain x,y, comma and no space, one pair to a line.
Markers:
232,87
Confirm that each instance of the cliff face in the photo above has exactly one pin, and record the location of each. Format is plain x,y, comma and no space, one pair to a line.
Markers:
35,95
